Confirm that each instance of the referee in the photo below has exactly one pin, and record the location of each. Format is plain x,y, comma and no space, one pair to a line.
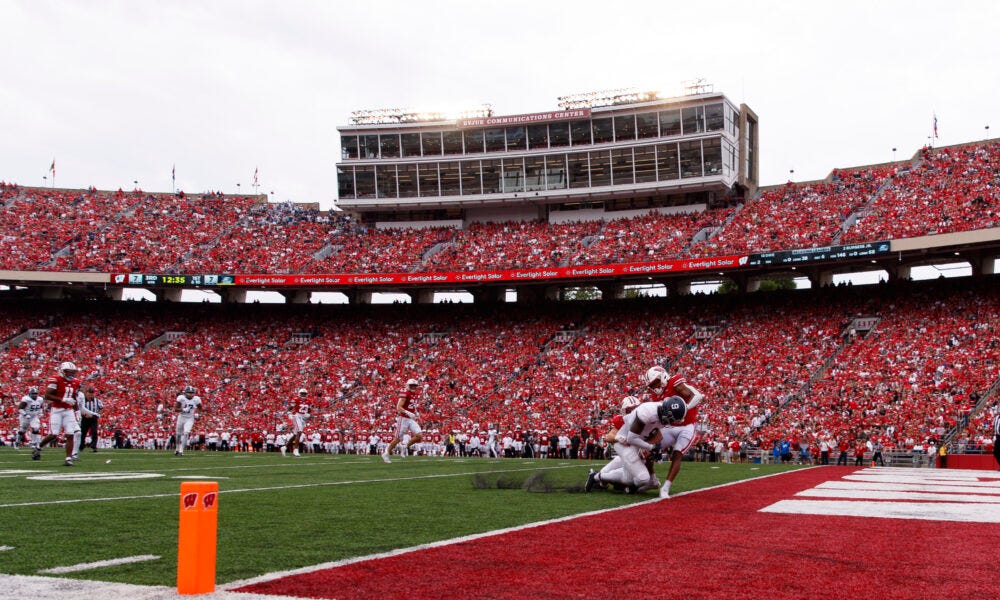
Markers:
90,412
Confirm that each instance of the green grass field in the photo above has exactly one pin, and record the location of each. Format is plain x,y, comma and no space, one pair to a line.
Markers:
281,513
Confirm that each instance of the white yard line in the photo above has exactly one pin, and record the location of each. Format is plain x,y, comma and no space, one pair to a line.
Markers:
283,487
100,564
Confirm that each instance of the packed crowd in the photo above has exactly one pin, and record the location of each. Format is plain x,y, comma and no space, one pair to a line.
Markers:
512,245
943,190
949,190
771,367
807,215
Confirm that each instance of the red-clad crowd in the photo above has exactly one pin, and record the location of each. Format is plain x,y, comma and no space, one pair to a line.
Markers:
512,245
648,237
771,366
807,215
948,190
945,190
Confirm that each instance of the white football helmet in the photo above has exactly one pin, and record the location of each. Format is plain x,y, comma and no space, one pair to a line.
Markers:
303,392
67,370
629,403
412,382
656,378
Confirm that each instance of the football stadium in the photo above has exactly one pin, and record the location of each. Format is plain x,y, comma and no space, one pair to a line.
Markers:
576,351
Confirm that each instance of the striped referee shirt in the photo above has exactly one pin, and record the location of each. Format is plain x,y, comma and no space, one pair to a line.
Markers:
94,406
996,426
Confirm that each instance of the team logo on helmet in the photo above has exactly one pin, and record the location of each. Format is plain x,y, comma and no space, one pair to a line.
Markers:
656,377
672,410
628,404
68,370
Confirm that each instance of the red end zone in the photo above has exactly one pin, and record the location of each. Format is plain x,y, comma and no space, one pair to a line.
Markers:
711,544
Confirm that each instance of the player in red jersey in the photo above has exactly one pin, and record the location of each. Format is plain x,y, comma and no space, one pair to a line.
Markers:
406,419
298,415
678,436
60,394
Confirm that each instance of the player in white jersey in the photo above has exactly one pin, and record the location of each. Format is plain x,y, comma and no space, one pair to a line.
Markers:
298,415
595,478
492,442
186,406
640,433
29,411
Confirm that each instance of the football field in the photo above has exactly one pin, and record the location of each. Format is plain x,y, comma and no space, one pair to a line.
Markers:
114,516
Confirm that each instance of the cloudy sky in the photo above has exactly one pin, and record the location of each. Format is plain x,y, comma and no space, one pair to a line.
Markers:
122,91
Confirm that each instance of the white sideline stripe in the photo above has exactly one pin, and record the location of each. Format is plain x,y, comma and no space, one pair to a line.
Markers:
930,511
279,487
34,586
477,536
114,562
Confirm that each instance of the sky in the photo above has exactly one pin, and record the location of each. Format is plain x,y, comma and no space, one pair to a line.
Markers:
117,92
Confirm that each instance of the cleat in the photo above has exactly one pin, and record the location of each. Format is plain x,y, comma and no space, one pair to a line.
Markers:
68,463
74,457
296,452
178,453
385,457
631,489
591,480
284,451
36,454
665,490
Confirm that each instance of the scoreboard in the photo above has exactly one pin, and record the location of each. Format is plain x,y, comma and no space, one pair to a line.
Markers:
806,255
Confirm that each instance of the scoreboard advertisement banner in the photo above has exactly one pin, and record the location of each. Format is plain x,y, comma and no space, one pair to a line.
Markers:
462,277
817,254
714,263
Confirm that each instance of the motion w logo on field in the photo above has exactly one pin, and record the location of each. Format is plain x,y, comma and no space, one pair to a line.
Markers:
935,495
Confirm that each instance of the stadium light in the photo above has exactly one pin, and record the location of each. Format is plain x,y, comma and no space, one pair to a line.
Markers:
606,98
693,87
396,116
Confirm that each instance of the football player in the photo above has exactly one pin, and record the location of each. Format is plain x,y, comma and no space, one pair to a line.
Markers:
640,432
613,471
299,415
186,406
29,411
406,419
60,394
680,436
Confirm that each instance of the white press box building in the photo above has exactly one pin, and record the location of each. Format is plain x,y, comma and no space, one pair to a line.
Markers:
618,152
